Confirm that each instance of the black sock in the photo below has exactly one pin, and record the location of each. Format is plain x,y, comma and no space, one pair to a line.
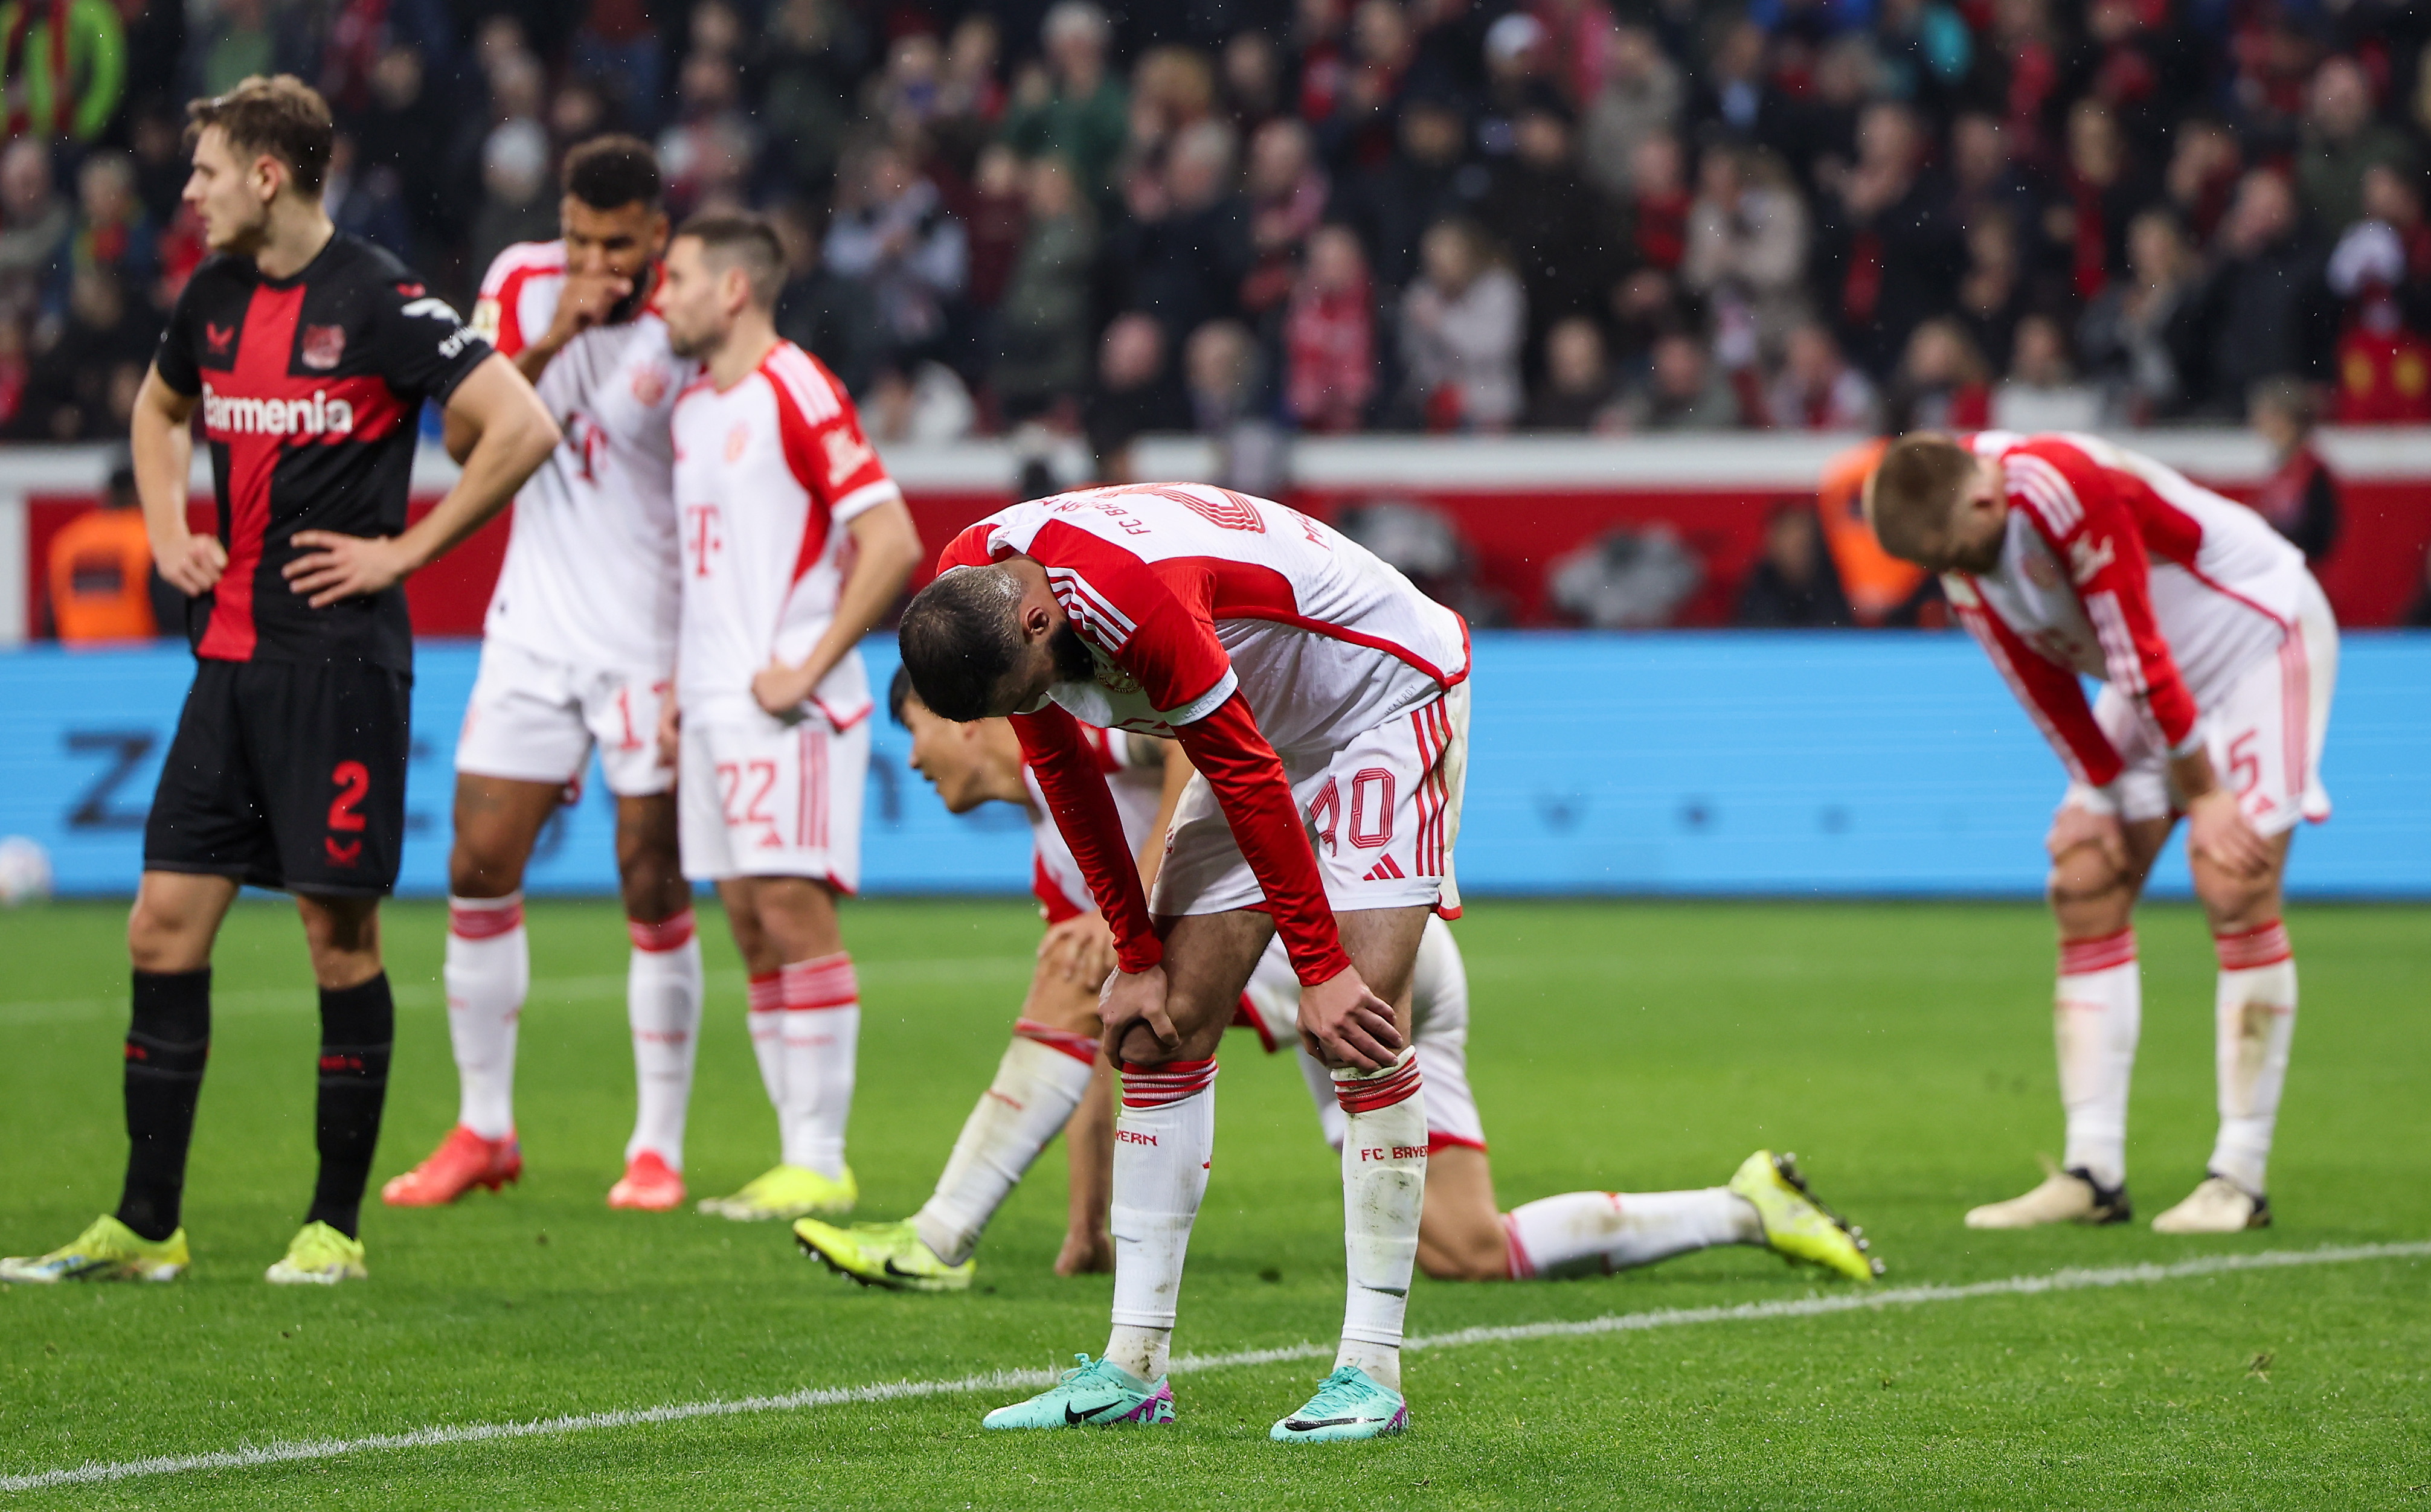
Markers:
167,1042
358,1026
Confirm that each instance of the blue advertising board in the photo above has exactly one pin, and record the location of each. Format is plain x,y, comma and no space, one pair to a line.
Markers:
1730,762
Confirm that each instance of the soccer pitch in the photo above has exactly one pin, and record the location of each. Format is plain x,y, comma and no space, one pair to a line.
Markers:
1903,1051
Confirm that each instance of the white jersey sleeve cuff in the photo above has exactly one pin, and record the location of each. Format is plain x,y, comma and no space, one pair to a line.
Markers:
1205,704
863,499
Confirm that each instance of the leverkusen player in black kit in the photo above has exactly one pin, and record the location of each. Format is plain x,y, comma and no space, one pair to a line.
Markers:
309,355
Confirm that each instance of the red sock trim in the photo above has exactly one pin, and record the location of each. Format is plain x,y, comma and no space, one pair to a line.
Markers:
666,934
2079,957
767,992
1175,1081
2254,948
1079,1047
821,981
485,918
1367,1093
1521,1267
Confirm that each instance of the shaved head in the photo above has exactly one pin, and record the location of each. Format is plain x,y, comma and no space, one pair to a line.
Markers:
962,639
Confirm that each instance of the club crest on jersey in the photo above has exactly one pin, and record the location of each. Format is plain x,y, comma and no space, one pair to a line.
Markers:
847,455
221,337
737,440
322,346
649,385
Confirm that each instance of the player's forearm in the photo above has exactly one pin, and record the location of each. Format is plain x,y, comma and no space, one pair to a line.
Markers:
517,435
1256,797
1093,828
885,554
2191,773
164,450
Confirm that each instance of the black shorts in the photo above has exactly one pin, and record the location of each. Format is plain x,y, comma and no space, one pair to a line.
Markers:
286,774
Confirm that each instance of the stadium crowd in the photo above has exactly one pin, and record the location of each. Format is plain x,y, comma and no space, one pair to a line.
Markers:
1338,215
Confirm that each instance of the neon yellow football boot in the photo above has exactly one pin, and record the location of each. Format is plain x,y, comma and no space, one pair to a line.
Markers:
319,1256
883,1255
787,1191
106,1251
1797,1225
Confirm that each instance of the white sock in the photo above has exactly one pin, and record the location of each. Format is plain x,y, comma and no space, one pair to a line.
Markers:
767,1021
488,973
1589,1233
2097,1012
1384,1192
822,1034
1164,1139
2255,1018
663,991
1039,1082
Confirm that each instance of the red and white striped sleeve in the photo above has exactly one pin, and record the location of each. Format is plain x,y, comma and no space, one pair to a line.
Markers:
2072,503
1057,755
498,311
824,448
2051,693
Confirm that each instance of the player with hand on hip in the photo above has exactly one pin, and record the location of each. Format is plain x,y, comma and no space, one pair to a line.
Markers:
576,654
2067,556
308,354
1045,1079
796,544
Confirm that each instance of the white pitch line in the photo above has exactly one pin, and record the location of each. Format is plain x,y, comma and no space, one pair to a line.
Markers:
1811,1307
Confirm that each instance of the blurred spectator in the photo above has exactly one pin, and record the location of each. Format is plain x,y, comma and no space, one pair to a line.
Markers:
1993,297
1558,230
65,69
362,201
2341,141
516,205
806,63
2384,364
2300,498
1927,49
102,584
2265,310
14,371
1462,321
2041,392
1252,79
82,384
1658,204
1287,196
996,217
2104,189
617,44
1425,180
1043,326
2394,199
2129,337
1686,391
157,135
1642,95
1219,365
1577,394
1986,178
1818,389
112,231
926,407
1943,384
1735,92
1747,240
1186,243
892,233
1329,335
1136,392
820,310
1172,89
35,223
1079,113
2204,164
1792,586
968,91
1891,252
706,155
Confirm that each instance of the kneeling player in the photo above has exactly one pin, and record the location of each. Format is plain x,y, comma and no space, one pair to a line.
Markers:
1461,1234
2065,554
795,542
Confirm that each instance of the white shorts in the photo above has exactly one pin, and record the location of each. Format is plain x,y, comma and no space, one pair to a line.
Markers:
762,798
534,719
1382,813
2265,736
1440,1021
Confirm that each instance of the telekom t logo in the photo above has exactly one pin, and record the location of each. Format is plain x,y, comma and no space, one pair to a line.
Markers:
701,536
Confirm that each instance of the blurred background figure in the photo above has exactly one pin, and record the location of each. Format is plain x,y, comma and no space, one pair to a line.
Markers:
1792,586
2300,498
1463,319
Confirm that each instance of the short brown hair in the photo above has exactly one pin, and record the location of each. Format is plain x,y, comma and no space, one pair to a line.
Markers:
1914,491
282,116
739,238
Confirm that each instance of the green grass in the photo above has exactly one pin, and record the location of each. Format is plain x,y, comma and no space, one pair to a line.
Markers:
1903,1051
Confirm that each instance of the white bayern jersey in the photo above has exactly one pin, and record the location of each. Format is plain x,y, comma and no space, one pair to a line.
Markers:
589,576
767,476
1322,639
1056,878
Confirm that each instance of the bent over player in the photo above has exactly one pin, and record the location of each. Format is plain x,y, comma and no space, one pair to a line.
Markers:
1462,1237
1324,702
2065,554
310,353
796,543
576,652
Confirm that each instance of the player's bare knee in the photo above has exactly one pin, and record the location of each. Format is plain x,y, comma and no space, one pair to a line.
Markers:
2089,894
342,934
2234,903
649,863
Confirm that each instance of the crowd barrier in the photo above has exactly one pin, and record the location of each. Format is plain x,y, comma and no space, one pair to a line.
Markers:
1751,763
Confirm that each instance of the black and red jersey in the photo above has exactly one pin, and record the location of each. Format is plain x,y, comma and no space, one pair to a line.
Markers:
311,389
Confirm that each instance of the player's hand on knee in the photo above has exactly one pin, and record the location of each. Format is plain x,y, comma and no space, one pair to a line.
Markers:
1131,1005
1345,1024
1080,949
2073,827
2217,831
